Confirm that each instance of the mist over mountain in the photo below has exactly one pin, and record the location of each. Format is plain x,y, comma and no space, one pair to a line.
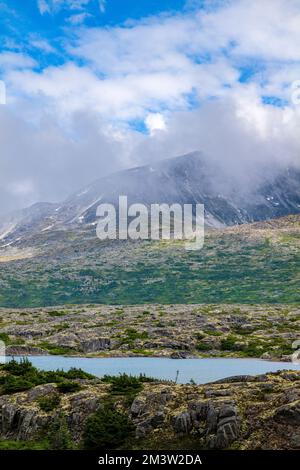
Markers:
187,179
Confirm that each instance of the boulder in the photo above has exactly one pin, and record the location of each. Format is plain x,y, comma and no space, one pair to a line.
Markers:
212,418
40,391
137,407
153,422
182,423
288,414
226,428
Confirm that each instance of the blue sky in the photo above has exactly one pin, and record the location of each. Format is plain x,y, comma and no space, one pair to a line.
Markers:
48,18
94,86
25,24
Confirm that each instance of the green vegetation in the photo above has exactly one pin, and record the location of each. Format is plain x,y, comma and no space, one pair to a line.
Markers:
49,403
55,349
203,347
8,341
210,332
229,269
107,429
126,385
5,338
56,313
21,376
130,335
59,435
68,387
8,444
256,347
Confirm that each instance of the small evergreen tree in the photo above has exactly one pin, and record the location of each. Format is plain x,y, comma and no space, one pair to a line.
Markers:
59,435
106,429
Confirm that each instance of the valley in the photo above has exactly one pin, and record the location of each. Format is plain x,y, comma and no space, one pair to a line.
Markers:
67,297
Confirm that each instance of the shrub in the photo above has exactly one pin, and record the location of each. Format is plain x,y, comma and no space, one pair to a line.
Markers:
211,332
68,387
49,403
200,335
6,444
5,338
130,335
55,349
75,373
106,429
124,384
203,347
19,368
229,344
11,384
56,313
23,376
59,435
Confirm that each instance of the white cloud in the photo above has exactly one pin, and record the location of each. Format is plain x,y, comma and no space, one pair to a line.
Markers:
102,5
79,18
14,60
43,6
54,6
41,44
176,73
155,122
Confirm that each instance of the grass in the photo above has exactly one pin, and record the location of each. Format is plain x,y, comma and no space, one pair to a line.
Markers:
256,346
8,444
57,313
55,349
130,335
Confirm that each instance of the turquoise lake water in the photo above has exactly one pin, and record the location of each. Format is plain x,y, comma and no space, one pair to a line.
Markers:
199,370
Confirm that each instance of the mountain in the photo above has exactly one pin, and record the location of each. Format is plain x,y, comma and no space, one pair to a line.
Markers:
188,179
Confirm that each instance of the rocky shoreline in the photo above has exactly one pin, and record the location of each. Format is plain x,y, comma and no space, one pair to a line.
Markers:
261,412
15,352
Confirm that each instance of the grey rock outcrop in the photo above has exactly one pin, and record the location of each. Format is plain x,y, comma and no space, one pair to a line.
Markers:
289,413
21,350
93,345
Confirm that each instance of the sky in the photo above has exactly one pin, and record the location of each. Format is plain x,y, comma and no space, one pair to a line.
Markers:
94,86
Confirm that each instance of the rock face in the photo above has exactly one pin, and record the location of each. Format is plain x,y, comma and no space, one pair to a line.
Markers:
228,427
261,413
220,426
22,419
20,422
25,351
95,345
219,415
289,414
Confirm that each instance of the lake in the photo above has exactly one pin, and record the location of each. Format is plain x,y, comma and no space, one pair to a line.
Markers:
199,370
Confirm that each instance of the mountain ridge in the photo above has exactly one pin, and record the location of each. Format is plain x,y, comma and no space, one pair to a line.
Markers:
186,179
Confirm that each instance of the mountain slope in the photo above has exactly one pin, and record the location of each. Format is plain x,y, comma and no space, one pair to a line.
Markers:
188,179
250,263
